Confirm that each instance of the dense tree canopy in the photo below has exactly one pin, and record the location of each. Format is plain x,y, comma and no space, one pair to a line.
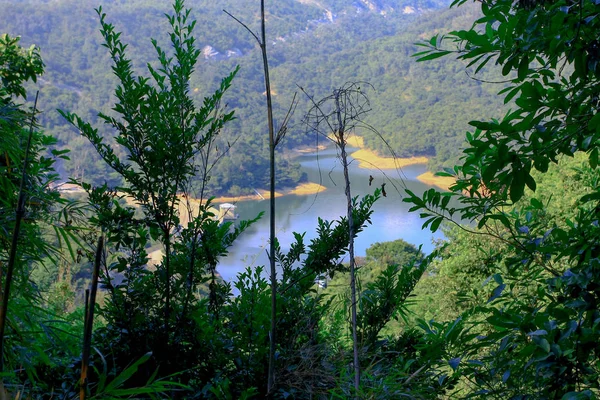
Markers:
506,307
542,317
415,116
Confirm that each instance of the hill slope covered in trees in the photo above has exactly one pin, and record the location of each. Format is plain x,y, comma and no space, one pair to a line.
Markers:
506,308
319,46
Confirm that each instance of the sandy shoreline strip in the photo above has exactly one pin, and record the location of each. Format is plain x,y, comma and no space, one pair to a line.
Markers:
303,189
234,199
368,159
309,149
442,182
356,141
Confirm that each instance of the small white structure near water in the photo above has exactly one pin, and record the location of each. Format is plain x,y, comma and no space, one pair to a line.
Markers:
227,212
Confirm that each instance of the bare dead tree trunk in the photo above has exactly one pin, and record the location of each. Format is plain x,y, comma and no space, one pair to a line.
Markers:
335,117
344,157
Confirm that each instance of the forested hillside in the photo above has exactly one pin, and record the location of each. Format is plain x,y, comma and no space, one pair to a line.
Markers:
505,307
315,45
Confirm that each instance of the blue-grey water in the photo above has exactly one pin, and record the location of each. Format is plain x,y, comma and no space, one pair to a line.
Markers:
390,220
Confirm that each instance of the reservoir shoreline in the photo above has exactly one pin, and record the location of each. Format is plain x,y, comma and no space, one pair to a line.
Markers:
367,159
300,212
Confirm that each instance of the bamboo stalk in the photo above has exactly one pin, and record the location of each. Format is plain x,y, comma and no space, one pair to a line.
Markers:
262,43
89,320
273,271
85,309
20,212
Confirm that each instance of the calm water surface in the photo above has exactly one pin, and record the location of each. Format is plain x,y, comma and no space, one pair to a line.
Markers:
390,219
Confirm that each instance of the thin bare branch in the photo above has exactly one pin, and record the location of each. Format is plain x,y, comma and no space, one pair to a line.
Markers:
284,125
254,35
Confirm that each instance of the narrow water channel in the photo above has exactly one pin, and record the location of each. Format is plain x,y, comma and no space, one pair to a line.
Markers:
390,220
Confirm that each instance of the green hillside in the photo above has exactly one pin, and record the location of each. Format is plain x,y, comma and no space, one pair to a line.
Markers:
418,109
507,305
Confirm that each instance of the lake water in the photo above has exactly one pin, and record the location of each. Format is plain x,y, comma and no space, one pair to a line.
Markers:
390,219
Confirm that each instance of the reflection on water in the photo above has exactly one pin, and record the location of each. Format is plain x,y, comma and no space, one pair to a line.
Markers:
390,219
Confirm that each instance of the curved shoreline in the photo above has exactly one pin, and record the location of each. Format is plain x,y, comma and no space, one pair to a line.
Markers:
303,189
369,159
442,182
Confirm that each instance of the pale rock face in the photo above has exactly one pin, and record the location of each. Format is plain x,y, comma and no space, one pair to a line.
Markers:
209,52
370,5
233,53
329,15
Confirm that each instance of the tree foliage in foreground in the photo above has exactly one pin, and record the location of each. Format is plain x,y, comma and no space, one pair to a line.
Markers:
532,331
209,344
542,325
167,142
34,341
